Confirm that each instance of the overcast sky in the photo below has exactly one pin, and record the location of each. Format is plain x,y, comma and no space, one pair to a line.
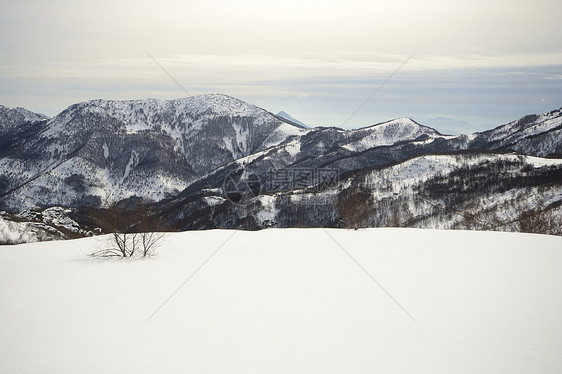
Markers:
484,62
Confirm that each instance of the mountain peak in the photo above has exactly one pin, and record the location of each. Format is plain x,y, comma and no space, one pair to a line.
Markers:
153,148
194,106
402,122
285,116
12,119
538,134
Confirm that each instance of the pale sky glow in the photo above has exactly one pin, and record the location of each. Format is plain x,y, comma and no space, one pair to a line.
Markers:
485,62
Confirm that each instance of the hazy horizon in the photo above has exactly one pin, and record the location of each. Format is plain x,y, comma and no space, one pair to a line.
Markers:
484,64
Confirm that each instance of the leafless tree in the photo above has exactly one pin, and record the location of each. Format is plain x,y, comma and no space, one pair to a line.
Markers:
134,232
151,231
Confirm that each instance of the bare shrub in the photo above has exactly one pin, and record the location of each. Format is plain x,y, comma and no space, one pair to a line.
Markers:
151,231
134,232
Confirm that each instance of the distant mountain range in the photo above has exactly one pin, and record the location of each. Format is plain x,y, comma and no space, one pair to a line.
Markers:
288,118
178,154
454,127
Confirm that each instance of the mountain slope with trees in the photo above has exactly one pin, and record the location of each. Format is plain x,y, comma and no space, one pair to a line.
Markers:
174,157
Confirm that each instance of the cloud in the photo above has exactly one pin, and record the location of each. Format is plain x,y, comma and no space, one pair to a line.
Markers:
55,53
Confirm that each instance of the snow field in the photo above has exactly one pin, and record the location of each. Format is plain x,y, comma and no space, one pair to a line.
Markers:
287,301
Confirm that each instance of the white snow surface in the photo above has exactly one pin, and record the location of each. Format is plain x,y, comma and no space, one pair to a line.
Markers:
422,168
213,200
542,123
28,115
287,301
281,133
389,133
18,114
25,232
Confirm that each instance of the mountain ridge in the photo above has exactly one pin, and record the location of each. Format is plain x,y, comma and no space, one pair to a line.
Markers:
179,152
105,150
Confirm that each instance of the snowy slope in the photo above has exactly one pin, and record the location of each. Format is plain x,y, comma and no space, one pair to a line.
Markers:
429,191
409,181
99,152
281,134
14,117
287,301
389,133
14,232
291,119
346,150
183,119
539,135
420,169
35,226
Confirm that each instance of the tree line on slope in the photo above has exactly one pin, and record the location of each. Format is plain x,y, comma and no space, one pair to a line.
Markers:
456,200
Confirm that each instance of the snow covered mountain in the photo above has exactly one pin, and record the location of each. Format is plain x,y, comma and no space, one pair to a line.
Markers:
16,125
12,118
538,135
391,166
37,226
99,152
452,126
179,153
291,119
332,148
486,191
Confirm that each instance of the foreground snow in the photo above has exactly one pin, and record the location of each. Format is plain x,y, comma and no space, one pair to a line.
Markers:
287,301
